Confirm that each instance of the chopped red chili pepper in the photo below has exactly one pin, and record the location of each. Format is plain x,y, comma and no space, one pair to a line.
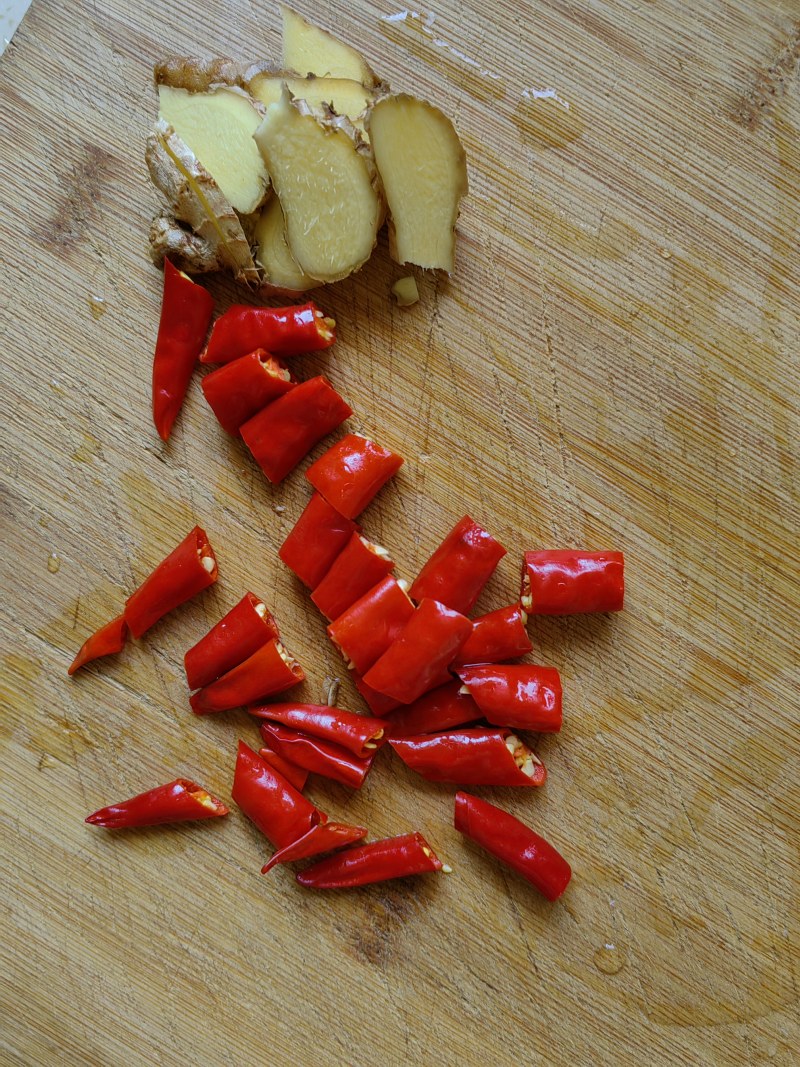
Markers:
417,659
471,757
496,637
324,837
237,635
352,471
285,431
513,843
441,709
178,801
188,569
287,331
378,703
106,641
317,756
394,857
316,539
294,775
460,567
186,310
521,695
357,568
269,670
567,582
365,630
239,390
359,734
279,811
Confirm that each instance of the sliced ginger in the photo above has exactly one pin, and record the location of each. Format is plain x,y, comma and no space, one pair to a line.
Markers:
344,96
281,273
423,170
218,127
308,49
325,187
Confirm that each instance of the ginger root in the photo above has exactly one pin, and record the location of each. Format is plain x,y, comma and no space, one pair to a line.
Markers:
281,273
196,74
309,49
170,239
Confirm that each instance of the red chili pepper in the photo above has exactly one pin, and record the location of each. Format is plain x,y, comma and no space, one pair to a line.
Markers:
378,703
106,641
287,331
471,757
239,390
352,471
235,638
316,539
417,660
521,695
294,775
357,568
460,567
187,570
319,757
179,801
394,857
279,811
324,837
567,582
269,670
286,430
441,709
186,310
365,630
359,734
513,843
496,637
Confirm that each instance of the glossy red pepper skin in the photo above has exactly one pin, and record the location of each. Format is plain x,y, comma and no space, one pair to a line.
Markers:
513,843
324,837
186,310
294,775
260,675
359,734
467,757
285,431
286,331
441,709
358,567
378,703
317,756
496,637
460,567
279,811
235,638
365,630
394,857
316,539
352,472
520,695
565,582
417,660
106,641
175,580
239,390
178,801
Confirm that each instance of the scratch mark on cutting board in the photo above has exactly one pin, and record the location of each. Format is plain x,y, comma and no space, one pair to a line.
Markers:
770,83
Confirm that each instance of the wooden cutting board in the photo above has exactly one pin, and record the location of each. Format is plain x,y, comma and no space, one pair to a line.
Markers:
612,364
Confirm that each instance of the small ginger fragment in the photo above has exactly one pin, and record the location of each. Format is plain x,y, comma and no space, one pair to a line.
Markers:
281,273
405,291
343,95
308,49
196,74
187,251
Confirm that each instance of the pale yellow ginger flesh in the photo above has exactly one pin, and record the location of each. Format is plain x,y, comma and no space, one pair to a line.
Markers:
344,96
405,291
218,127
324,184
273,255
424,174
308,49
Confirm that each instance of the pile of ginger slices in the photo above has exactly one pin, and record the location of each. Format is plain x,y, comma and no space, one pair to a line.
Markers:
284,179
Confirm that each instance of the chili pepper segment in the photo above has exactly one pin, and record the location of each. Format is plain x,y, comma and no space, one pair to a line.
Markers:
294,775
235,638
496,637
359,734
239,390
471,756
316,755
271,669
315,540
187,570
566,582
280,812
520,695
513,843
378,703
324,837
460,567
364,631
378,861
106,641
352,472
440,709
358,567
178,801
286,331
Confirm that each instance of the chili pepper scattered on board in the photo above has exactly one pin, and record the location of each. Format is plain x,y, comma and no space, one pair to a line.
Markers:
239,390
106,641
460,567
237,635
378,861
279,810
178,801
359,734
471,756
352,472
565,582
271,669
318,756
522,695
287,331
315,540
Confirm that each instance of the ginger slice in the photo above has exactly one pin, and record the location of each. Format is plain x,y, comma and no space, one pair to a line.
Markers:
325,186
218,128
423,169
343,95
273,256
308,49
196,74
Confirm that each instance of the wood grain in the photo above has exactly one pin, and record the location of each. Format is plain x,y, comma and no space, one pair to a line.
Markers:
613,364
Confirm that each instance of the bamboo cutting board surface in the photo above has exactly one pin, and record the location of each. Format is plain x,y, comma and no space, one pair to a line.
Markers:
613,364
